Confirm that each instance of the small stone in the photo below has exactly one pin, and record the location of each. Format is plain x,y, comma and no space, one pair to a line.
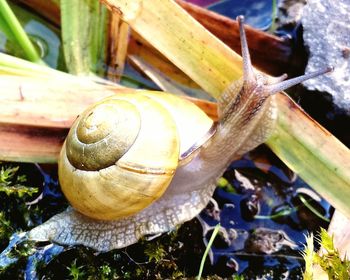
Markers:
267,241
327,35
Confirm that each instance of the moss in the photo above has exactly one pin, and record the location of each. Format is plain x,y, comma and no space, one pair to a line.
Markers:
5,227
76,272
11,183
328,262
15,214
155,251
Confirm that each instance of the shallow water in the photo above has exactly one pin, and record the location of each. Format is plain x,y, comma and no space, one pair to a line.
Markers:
257,13
263,215
44,36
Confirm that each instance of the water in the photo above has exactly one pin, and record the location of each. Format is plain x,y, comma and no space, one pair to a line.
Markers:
263,215
44,36
257,13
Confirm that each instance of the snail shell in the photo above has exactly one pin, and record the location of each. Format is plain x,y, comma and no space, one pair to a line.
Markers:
122,153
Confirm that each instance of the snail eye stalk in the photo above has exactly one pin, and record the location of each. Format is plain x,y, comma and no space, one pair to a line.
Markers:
248,72
280,86
275,84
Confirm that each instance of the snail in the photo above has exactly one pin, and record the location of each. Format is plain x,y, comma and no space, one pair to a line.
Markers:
142,163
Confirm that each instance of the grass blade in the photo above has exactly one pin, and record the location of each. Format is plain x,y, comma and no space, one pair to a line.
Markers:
12,25
210,243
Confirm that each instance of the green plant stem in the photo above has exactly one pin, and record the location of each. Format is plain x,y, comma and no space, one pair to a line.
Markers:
312,209
19,34
292,210
273,27
210,243
83,24
10,65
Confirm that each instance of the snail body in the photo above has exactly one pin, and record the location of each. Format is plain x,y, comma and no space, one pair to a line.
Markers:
169,155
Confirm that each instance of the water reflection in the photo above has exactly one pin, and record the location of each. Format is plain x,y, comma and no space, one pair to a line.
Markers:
265,214
257,13
44,36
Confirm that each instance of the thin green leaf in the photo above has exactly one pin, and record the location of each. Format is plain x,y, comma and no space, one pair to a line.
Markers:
210,243
313,209
6,29
13,26
16,66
